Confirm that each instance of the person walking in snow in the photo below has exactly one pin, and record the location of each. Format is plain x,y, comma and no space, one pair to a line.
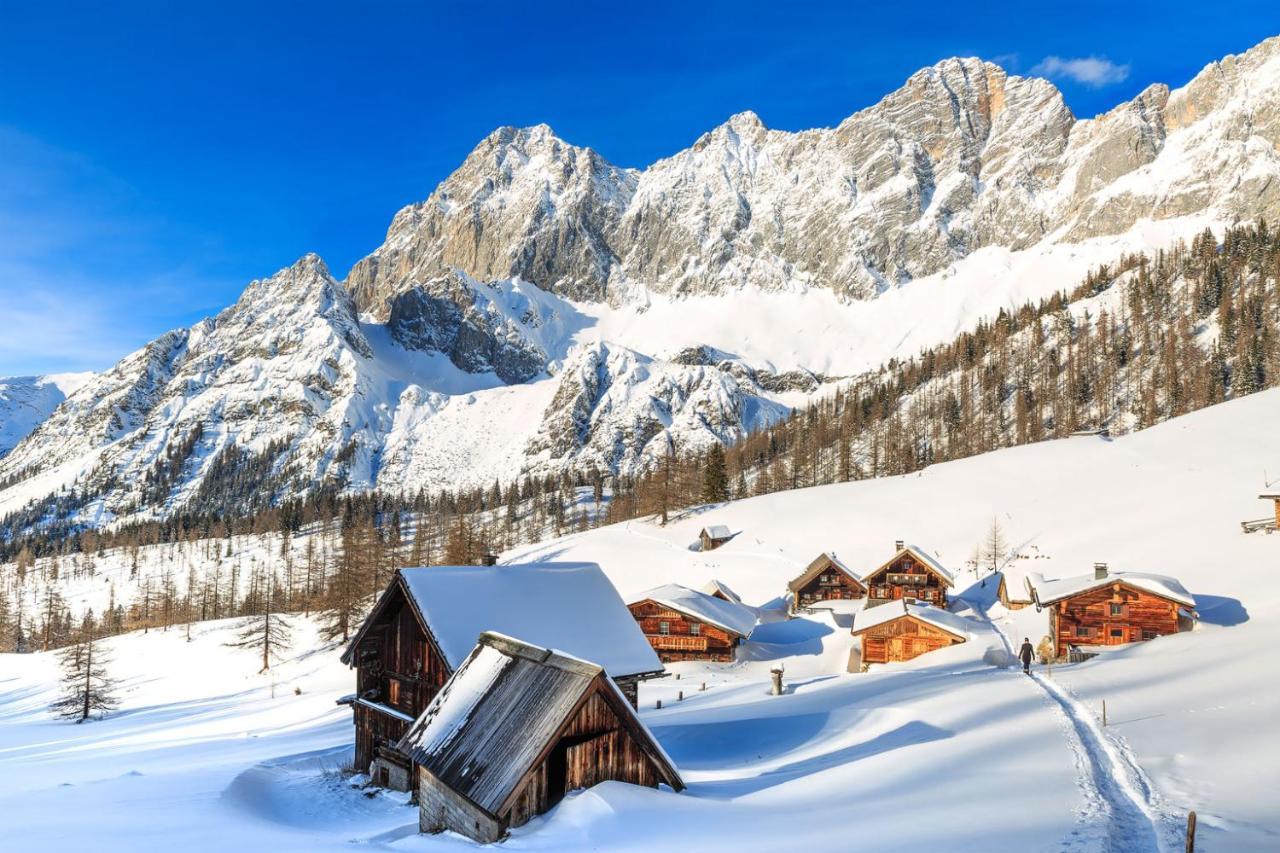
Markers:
1025,654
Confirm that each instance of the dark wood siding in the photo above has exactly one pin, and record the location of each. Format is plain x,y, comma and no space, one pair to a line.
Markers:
905,577
830,585
397,665
1112,615
686,638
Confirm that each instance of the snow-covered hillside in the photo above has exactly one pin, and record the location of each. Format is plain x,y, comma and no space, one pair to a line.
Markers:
1000,762
25,402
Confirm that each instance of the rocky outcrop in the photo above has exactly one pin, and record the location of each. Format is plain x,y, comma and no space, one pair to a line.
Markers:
962,156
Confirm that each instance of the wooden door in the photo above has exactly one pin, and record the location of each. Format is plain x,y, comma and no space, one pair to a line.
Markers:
1111,629
592,761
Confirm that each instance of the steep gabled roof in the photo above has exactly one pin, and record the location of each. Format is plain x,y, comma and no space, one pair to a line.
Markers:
943,620
717,531
502,710
734,618
713,586
1050,591
920,554
819,565
1015,581
570,606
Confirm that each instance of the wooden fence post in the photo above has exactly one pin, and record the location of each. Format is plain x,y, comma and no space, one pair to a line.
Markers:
1104,712
680,696
658,706
1191,832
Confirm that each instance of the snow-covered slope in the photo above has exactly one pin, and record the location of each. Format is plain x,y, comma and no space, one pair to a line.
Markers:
1001,762
25,402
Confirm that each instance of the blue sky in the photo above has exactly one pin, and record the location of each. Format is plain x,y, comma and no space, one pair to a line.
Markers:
155,157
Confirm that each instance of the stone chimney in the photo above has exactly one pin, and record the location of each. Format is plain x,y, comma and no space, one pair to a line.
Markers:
897,545
1099,571
489,560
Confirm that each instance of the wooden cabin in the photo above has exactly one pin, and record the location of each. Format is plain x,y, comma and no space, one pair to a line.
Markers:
716,589
1274,497
910,573
1013,591
902,630
714,536
515,729
685,624
1111,608
426,623
825,579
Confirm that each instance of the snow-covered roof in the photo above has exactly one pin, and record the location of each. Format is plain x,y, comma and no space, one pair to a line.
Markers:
717,531
1049,591
935,616
731,616
567,606
820,564
1273,495
923,556
713,586
1015,578
501,708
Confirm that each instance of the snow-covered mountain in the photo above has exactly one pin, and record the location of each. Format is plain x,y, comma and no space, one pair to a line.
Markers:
545,311
25,401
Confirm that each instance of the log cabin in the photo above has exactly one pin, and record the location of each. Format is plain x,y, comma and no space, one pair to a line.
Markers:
909,573
1013,591
426,623
514,729
902,630
721,591
1111,608
685,624
713,536
1274,497
825,579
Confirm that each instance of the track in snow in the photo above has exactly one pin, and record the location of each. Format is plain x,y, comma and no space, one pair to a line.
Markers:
1118,794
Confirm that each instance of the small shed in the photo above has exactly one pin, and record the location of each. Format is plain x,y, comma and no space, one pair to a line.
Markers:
685,624
1273,496
901,630
713,536
1013,590
517,727
910,573
1112,608
825,579
719,590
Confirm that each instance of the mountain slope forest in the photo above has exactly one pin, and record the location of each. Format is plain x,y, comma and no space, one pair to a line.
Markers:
1133,345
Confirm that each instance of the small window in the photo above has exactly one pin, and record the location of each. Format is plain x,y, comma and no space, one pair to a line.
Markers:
1117,610
664,628
1117,633
695,629
1148,634
1083,630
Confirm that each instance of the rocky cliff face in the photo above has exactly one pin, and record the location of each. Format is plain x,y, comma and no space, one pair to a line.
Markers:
488,337
962,156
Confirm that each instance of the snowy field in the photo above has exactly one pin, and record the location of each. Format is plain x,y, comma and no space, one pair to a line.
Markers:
948,752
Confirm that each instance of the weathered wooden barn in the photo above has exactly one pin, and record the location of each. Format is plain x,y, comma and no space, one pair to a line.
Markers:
685,624
714,536
426,622
909,573
901,630
1111,608
720,590
825,579
517,727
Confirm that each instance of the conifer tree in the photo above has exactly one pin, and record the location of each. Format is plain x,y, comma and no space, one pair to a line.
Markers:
266,632
87,686
715,477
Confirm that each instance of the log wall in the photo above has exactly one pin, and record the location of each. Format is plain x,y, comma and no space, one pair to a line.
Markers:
1111,616
903,639
686,638
830,585
905,577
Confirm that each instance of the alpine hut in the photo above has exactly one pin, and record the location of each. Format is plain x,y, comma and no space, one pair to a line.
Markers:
713,536
685,624
1013,590
825,579
1275,497
720,590
909,573
1111,608
901,630
426,622
515,728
